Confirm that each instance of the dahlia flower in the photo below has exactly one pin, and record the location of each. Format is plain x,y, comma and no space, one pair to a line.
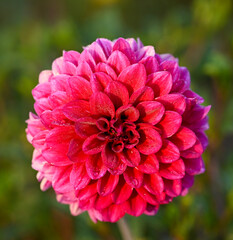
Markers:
117,129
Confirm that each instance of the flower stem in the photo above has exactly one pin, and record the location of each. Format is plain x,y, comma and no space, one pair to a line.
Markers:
124,229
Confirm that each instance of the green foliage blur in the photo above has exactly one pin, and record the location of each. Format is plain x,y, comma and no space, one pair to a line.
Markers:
34,32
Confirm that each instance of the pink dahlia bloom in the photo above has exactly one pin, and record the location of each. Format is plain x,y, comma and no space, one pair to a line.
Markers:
117,129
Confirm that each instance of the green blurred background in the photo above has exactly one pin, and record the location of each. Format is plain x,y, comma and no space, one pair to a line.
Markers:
33,33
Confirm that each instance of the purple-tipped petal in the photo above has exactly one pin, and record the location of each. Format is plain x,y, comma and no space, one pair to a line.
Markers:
123,46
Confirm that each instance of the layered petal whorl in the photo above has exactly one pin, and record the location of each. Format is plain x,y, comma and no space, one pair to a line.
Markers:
117,129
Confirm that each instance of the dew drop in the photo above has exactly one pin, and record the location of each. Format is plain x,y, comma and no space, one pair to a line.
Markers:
135,182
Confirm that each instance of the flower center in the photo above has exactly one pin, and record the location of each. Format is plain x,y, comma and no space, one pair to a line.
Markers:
119,133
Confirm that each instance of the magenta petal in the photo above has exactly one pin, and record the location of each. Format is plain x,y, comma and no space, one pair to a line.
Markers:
61,180
107,184
99,81
71,56
97,52
153,183
151,209
84,70
160,82
173,187
183,82
105,68
42,90
142,94
194,152
187,181
118,61
75,153
42,105
60,135
148,197
172,67
173,102
134,77
170,123
54,118
119,169
106,45
118,93
55,158
79,177
38,140
136,205
93,145
59,83
86,127
149,164
150,111
122,192
101,105
86,57
87,192
151,64
127,113
103,202
194,166
133,177
113,213
150,140
45,76
59,66
110,158
80,88
184,138
168,153
77,109
197,114
95,167
131,157
57,99
123,46
174,170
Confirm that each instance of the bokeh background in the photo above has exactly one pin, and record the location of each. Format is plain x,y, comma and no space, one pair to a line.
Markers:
34,32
